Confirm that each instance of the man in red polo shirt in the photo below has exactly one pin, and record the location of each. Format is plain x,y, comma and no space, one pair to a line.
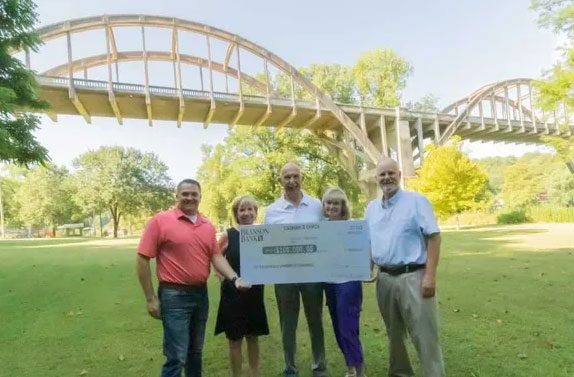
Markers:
184,244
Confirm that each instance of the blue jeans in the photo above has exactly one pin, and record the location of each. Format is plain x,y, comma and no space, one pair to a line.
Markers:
184,315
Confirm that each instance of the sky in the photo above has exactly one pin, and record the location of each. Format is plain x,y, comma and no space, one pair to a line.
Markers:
455,47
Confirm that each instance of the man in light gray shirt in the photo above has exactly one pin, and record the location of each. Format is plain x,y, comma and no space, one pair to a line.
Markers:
294,206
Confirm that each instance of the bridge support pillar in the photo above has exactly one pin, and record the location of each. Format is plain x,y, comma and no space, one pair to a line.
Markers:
400,142
370,189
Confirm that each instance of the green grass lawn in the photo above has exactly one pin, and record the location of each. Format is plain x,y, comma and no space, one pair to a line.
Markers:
68,307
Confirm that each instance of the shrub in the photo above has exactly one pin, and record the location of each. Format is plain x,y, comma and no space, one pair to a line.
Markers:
482,217
516,216
551,214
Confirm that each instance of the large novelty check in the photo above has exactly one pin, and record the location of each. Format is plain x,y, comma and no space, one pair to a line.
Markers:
327,251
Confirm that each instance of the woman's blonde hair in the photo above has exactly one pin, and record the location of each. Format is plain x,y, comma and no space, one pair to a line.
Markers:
338,194
243,199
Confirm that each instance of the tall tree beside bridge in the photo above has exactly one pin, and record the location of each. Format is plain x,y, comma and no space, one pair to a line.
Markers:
376,79
17,85
380,75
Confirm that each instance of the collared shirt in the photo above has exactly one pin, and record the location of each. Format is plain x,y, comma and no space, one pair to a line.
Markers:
183,249
193,218
282,211
398,228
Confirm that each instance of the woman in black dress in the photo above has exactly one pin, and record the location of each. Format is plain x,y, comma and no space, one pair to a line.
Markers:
241,314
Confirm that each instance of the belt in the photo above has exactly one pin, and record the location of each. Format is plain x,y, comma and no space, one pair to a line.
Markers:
402,269
184,287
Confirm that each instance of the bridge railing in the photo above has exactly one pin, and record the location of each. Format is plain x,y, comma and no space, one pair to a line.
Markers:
139,88
547,126
162,90
133,88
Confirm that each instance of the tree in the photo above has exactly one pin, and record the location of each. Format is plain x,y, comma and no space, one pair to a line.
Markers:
557,15
221,185
564,147
249,162
333,79
560,186
556,88
380,75
428,103
17,85
376,79
527,178
11,177
9,186
123,181
522,184
494,168
44,197
451,181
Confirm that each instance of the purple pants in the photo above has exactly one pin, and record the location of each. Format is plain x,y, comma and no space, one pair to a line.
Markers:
344,302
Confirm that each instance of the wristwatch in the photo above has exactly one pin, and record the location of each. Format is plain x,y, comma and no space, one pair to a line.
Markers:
234,279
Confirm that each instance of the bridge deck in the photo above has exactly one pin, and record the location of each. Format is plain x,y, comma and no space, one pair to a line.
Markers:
131,100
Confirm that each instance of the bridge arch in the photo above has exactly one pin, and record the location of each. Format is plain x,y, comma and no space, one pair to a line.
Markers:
107,23
356,135
131,56
511,104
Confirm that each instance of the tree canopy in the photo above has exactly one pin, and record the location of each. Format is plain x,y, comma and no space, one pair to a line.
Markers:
556,88
45,197
376,79
494,168
17,85
380,75
249,161
451,181
557,15
123,181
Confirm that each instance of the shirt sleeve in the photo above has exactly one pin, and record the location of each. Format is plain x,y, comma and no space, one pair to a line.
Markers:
425,216
367,211
223,242
150,240
214,249
267,217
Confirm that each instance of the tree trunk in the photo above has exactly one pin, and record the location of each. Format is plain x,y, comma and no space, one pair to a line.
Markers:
457,222
116,219
115,228
101,226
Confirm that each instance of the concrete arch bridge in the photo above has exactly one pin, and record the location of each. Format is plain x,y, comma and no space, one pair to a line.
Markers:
226,89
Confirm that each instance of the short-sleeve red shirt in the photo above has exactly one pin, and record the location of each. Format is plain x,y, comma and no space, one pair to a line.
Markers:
183,249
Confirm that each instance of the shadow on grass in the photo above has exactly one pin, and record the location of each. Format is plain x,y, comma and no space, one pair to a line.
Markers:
84,243
493,241
35,242
491,229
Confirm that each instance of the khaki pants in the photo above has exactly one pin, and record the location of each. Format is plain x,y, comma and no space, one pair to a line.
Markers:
404,309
